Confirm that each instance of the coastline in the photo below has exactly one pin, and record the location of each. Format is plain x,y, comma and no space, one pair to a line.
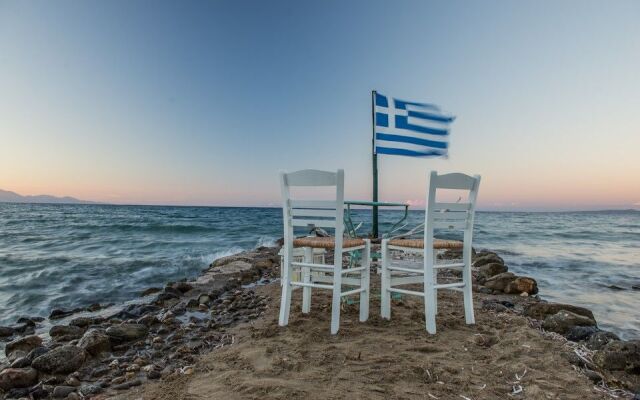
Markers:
177,334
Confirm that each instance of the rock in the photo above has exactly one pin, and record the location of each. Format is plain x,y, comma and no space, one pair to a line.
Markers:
73,396
578,333
182,287
40,393
593,375
61,360
487,259
95,342
618,355
61,392
493,306
574,359
148,320
84,322
37,352
58,313
150,291
11,378
21,362
499,282
6,331
564,320
72,332
127,385
127,332
522,284
72,381
136,311
484,290
203,299
541,310
88,390
97,306
21,347
229,259
153,374
599,339
492,269
164,296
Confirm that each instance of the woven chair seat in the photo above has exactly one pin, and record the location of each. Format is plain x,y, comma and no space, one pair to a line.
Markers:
438,244
326,242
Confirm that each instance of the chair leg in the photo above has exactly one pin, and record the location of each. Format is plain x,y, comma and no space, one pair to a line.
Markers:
306,278
385,295
364,282
337,293
468,295
285,299
429,297
335,307
435,281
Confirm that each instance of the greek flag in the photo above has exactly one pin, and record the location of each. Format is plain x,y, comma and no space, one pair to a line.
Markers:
406,128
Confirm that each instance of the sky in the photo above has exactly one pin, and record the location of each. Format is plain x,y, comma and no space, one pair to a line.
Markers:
203,102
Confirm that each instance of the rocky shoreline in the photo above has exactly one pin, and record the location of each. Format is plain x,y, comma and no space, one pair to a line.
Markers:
89,353
92,356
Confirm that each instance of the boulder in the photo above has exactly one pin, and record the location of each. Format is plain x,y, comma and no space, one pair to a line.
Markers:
37,352
21,362
229,259
487,258
126,332
522,284
69,332
542,310
618,355
182,287
6,331
61,392
21,347
95,342
11,378
61,360
499,282
84,322
563,321
492,269
579,333
599,339
58,313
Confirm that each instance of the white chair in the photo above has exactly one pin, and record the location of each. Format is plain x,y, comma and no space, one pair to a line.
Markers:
324,214
438,215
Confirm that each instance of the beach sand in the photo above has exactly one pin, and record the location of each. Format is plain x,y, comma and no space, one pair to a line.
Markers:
380,359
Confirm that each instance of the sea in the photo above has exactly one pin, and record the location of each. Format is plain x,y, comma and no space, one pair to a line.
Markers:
68,256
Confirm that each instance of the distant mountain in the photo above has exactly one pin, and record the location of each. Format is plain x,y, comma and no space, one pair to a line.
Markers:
12,197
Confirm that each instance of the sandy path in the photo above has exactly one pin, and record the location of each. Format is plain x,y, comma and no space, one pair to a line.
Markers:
380,359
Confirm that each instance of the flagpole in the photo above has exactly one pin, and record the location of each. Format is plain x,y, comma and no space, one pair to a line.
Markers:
374,217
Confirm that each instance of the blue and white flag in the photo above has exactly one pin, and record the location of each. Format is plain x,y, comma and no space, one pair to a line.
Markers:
406,128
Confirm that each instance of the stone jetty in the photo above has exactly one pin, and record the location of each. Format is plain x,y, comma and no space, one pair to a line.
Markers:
89,355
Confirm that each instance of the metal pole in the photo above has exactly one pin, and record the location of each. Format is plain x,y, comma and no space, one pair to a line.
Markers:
374,217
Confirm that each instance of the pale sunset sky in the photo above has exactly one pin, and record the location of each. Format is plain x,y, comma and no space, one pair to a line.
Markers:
203,102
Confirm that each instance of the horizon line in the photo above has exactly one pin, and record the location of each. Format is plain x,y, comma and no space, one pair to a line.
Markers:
95,203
